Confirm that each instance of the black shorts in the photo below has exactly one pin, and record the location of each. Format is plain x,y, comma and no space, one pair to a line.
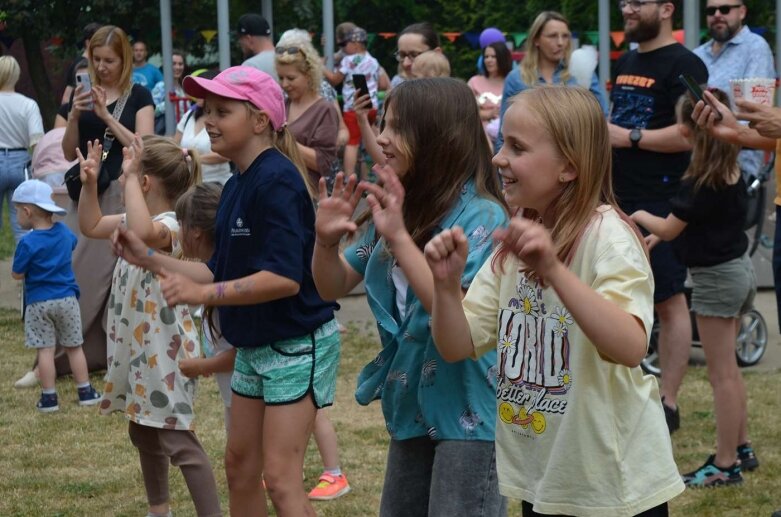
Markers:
669,272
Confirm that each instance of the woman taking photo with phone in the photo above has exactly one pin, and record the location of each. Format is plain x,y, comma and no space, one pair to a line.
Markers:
91,115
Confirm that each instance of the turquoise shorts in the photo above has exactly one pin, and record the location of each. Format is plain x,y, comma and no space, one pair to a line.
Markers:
287,371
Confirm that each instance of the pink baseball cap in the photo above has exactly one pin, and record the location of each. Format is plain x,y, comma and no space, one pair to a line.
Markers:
243,83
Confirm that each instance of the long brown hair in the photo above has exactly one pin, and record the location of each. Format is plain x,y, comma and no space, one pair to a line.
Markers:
531,59
445,145
713,161
573,120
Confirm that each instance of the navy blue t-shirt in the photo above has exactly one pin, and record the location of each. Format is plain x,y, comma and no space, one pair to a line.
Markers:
44,257
266,222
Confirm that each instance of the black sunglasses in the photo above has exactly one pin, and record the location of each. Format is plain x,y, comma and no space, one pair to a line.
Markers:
723,9
342,44
288,50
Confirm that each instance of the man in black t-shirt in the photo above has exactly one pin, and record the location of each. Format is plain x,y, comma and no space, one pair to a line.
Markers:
650,156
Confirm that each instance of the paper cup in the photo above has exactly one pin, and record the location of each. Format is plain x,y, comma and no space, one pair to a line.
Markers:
761,91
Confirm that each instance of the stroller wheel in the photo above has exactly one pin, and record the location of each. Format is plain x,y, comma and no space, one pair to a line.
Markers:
752,338
650,364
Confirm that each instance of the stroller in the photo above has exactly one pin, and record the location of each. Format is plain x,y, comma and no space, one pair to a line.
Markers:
752,338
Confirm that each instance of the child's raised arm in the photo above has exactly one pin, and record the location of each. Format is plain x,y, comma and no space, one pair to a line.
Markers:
446,255
92,222
361,107
333,276
154,234
618,335
665,228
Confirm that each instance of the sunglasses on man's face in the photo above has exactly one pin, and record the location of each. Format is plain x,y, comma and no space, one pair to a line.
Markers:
342,44
723,9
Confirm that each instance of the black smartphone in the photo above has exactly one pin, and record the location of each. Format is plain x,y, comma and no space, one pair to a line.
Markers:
361,88
696,91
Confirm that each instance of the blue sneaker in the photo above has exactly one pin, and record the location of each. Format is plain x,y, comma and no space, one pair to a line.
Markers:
709,475
48,403
88,396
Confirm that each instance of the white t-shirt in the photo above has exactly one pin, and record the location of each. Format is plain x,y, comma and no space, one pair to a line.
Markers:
364,64
20,121
217,172
575,434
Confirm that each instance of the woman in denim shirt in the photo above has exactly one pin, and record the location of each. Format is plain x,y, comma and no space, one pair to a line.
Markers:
546,61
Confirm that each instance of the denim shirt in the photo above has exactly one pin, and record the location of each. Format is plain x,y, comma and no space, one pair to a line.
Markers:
746,55
421,393
514,84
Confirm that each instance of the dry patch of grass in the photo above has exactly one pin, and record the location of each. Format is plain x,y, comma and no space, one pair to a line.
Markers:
76,462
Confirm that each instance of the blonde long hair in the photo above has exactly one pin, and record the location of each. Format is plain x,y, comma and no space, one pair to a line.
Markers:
306,59
531,59
573,120
177,169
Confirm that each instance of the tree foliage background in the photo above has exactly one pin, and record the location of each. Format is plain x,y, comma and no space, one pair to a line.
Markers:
36,22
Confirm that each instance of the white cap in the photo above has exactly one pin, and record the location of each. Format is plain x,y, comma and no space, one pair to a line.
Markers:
38,193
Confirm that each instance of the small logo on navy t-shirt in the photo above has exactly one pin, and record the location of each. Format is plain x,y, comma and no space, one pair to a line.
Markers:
238,229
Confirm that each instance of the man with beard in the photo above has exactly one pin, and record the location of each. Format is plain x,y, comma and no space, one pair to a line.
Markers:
734,52
650,156
256,45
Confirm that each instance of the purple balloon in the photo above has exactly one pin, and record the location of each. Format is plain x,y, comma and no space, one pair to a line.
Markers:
490,35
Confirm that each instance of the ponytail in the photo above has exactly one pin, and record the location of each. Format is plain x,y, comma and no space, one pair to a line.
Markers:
193,159
286,143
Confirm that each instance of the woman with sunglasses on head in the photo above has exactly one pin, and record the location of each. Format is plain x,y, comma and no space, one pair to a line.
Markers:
414,40
312,119
546,61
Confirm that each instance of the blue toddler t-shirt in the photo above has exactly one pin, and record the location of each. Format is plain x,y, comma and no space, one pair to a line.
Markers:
44,257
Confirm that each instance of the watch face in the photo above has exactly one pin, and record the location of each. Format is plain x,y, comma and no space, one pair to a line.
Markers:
635,135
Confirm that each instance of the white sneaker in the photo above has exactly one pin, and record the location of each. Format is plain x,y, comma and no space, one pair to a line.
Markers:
28,380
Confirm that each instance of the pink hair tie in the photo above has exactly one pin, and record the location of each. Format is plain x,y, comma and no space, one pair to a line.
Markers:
185,152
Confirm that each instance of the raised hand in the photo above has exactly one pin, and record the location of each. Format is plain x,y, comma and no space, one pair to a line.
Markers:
446,255
704,116
82,101
99,101
335,212
531,243
765,119
362,105
89,167
386,203
178,289
131,157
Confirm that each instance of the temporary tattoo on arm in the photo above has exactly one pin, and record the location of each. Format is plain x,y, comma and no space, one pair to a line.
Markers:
241,286
150,252
220,289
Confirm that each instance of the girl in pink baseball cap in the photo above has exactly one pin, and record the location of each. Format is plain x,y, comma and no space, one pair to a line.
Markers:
259,279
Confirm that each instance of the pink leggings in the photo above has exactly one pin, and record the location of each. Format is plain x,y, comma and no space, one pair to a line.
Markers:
156,447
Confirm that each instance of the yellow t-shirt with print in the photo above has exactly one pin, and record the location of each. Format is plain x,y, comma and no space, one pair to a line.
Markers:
575,434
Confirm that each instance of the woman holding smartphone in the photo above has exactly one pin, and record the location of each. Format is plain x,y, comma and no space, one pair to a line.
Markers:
89,115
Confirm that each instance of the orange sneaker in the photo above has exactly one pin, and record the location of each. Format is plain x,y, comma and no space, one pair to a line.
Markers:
329,487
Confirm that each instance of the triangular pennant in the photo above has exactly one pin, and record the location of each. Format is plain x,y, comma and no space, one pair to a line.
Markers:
451,36
679,36
387,35
189,34
618,38
473,38
208,35
518,38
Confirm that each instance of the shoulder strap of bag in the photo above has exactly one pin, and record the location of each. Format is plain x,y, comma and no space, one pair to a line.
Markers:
108,136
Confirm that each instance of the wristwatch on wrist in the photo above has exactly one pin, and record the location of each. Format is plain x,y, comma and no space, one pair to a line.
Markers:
634,137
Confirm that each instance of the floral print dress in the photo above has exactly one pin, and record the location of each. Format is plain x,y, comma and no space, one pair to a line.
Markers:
146,340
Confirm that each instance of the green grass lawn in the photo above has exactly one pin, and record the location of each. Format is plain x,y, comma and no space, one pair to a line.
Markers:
6,236
76,462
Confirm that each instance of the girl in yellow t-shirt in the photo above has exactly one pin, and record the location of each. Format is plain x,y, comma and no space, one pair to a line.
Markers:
567,302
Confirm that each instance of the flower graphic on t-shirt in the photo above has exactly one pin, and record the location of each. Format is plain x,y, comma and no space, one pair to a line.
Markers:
565,379
506,344
527,301
562,318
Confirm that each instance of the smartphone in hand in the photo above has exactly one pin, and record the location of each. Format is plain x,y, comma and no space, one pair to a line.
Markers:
696,92
86,84
361,87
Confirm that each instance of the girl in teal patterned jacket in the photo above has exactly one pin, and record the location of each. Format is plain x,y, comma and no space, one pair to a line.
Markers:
440,415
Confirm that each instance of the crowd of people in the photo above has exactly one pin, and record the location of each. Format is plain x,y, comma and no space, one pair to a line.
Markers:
516,237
